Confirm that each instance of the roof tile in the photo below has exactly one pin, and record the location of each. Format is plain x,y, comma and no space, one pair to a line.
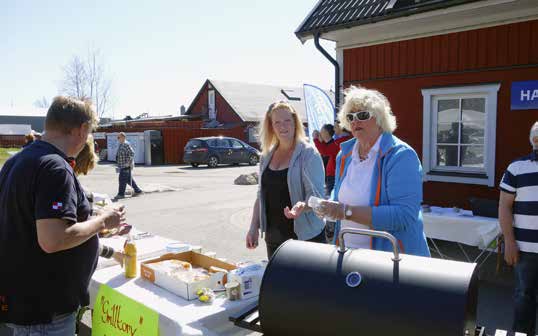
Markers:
332,14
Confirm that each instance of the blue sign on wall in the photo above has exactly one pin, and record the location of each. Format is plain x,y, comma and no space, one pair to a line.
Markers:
524,95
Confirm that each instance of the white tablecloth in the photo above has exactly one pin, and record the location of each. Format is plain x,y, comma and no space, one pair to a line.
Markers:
462,227
146,247
176,315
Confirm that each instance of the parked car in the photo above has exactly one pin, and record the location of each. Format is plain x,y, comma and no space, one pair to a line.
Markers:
213,151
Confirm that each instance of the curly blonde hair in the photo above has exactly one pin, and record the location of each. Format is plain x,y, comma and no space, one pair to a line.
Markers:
268,138
362,99
86,159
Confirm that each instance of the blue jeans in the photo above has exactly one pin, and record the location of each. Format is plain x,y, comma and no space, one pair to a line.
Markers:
64,325
126,178
526,286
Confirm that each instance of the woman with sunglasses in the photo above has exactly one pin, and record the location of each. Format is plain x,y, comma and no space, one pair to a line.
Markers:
291,171
378,182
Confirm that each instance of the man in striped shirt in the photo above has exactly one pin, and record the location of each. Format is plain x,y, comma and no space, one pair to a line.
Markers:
518,217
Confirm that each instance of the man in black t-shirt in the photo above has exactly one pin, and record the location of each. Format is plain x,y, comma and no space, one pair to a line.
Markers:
48,241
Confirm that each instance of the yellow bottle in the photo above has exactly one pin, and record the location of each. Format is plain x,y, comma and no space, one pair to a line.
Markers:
130,263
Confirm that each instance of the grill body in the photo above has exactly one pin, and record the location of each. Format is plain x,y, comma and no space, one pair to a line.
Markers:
315,289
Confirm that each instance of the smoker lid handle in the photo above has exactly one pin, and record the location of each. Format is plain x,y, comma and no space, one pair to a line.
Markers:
371,233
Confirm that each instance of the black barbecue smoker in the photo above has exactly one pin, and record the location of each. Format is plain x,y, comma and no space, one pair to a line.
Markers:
318,289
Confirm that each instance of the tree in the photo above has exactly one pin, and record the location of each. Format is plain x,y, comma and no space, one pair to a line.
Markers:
75,79
87,79
42,103
98,83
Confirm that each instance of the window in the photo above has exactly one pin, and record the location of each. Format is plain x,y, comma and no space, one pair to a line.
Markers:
459,134
192,144
236,144
222,143
211,104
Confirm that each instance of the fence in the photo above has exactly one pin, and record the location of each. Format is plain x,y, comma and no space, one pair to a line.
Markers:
175,139
176,134
12,141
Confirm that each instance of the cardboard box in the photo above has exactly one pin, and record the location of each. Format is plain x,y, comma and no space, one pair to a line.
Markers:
186,290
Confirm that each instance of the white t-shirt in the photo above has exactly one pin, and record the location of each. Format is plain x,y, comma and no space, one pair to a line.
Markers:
355,190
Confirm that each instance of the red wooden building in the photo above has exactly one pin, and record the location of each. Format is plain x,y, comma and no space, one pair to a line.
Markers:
219,109
224,104
447,67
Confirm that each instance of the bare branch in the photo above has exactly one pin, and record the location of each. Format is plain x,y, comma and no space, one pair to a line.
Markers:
87,79
75,79
42,103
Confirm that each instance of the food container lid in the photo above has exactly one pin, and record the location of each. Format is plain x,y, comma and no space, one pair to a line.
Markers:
177,247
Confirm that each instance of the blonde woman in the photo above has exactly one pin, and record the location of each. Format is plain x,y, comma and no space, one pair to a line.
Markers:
86,159
84,163
378,182
291,171
30,138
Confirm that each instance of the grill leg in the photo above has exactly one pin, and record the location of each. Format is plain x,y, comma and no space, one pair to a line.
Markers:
437,249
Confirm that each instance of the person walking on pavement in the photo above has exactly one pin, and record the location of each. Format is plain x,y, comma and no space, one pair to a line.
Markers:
125,162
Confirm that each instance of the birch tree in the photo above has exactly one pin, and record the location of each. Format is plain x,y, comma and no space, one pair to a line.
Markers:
86,78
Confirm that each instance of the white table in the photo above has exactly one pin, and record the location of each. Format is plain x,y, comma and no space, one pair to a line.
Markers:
146,247
176,315
462,228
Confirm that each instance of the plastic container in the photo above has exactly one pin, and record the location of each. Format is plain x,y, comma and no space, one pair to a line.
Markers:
315,203
233,290
177,247
196,248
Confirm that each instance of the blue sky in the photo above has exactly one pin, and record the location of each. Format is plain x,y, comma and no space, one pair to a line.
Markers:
158,53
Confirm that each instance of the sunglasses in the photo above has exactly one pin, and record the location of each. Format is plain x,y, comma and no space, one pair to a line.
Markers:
360,116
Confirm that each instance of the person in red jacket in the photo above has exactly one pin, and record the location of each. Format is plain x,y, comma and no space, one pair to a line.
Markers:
340,133
329,147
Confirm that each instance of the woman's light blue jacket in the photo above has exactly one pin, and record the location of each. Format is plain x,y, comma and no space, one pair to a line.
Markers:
395,197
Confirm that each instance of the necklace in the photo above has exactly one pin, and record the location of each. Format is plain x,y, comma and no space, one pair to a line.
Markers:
364,157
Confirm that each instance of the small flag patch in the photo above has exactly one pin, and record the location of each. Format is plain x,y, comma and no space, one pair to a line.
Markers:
57,205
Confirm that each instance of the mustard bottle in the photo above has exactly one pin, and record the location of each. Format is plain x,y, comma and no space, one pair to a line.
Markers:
129,249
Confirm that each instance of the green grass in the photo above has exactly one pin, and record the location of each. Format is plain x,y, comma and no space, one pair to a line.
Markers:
4,154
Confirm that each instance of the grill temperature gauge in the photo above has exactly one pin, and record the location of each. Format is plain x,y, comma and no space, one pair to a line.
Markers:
353,279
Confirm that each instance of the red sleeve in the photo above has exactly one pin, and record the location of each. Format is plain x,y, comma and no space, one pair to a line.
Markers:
327,149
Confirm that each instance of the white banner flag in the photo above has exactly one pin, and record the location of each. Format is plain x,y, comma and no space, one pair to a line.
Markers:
319,108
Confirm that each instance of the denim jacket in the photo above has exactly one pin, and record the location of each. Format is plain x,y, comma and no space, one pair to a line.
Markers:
306,177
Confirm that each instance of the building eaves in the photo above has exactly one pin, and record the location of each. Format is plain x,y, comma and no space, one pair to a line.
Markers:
331,15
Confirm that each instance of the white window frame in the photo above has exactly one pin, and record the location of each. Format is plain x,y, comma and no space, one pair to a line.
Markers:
211,104
465,175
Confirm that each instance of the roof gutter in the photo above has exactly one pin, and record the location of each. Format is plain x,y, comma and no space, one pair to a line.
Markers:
336,72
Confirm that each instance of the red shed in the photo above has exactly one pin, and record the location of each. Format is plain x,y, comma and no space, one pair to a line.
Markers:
224,104
453,71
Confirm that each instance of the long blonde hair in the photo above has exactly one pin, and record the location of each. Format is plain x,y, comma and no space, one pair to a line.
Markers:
86,159
268,138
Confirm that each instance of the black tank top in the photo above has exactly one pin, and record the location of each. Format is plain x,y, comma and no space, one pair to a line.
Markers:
277,197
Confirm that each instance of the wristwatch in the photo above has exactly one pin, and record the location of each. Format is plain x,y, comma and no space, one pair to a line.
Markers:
347,212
